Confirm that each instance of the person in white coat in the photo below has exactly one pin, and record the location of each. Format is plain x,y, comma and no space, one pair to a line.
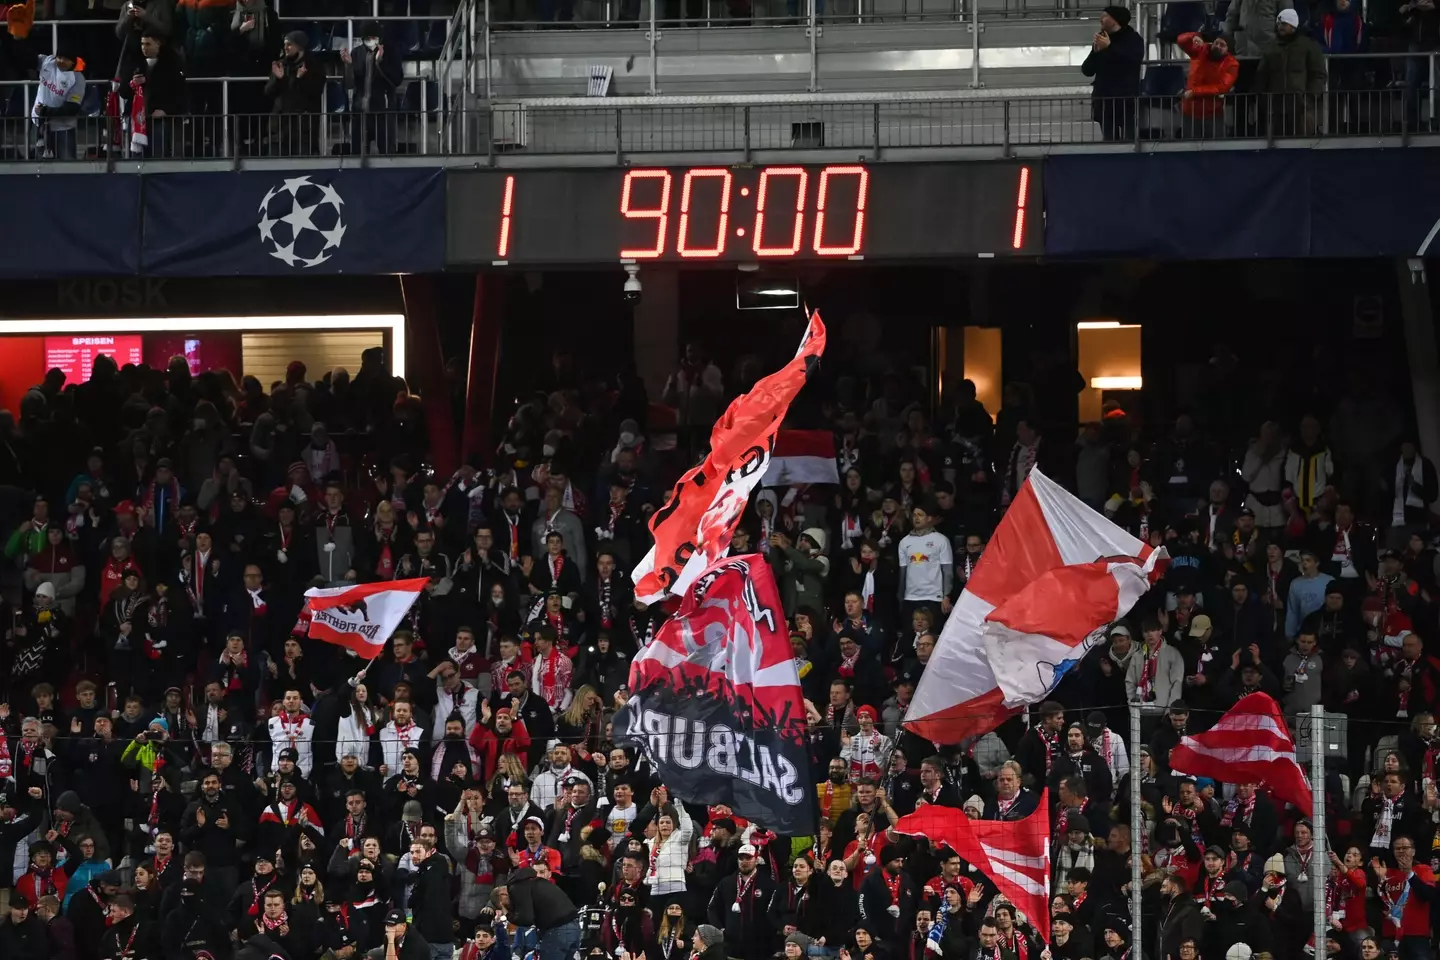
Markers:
670,847
1264,471
400,734
358,725
292,729
454,696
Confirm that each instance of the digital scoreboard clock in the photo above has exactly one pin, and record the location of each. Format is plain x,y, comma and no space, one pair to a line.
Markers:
814,212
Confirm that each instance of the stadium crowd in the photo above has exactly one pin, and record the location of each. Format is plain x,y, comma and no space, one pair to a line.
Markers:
187,774
161,61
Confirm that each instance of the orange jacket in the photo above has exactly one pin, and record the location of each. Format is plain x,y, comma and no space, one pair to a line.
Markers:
1209,80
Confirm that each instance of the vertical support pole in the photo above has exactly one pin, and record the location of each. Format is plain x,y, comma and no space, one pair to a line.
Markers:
485,330
427,361
1137,826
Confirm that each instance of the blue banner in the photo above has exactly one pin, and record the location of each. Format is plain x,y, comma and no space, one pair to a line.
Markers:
294,223
1374,203
69,225
1195,206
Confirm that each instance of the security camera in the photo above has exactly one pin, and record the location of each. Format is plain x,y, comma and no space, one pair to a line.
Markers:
632,283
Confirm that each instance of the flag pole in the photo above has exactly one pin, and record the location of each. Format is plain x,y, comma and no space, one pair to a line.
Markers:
1320,859
1137,828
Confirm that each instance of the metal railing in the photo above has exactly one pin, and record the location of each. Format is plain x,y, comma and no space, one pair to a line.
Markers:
871,128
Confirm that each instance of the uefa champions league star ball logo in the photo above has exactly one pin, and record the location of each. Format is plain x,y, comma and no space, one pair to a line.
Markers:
301,222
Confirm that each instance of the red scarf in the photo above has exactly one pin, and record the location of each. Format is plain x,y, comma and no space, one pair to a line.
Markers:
7,768
269,924
1238,811
156,782
1149,671
1019,944
231,670
514,537
548,675
1052,746
385,565
557,563
258,893
484,873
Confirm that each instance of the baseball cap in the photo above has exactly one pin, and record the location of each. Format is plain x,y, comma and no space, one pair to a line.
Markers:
395,917
1120,630
1199,625
746,850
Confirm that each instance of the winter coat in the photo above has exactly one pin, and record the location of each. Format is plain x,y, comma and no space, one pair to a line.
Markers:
1252,24
1292,65
1169,674
294,93
1265,471
59,565
1209,79
1116,69
801,579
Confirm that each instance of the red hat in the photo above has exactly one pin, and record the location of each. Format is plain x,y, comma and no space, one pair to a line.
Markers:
503,711
867,711
125,506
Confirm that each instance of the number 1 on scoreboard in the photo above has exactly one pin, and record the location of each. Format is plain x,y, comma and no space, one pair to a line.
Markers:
502,249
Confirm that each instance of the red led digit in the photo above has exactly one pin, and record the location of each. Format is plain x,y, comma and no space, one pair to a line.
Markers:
857,237
1020,197
683,239
801,180
503,248
660,214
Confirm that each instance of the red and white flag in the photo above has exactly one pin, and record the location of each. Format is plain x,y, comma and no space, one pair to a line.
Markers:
695,526
361,618
802,456
1014,854
1250,744
1053,577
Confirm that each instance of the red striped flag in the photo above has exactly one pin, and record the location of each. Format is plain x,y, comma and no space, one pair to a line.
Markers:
802,456
1014,854
1250,744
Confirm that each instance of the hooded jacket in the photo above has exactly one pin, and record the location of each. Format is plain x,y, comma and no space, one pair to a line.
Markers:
84,824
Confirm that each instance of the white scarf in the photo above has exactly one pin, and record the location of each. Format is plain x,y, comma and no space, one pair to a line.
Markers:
1407,489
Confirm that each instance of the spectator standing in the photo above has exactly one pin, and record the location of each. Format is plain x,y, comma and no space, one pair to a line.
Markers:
375,83
1264,465
253,29
1422,28
1292,76
1213,71
1342,31
1251,25
58,95
202,30
296,84
1114,64
161,74
136,17
1413,489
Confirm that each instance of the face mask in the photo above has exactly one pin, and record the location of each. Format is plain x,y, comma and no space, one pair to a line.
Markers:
371,43
627,439
497,600
150,62
548,450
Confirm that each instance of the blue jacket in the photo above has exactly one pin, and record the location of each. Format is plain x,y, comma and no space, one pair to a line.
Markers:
1306,596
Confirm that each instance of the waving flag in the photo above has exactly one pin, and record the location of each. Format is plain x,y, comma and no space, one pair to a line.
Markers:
361,618
1051,579
1014,854
1250,744
716,701
694,529
802,456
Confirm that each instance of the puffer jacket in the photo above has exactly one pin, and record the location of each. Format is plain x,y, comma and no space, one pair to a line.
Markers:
203,28
668,866
57,564
1209,80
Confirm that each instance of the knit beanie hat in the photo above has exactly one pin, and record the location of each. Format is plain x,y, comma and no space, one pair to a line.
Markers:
709,935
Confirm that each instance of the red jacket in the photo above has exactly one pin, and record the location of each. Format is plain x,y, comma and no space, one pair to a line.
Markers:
33,888
488,744
1209,80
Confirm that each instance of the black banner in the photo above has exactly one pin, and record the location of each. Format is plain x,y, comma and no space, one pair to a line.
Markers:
716,702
